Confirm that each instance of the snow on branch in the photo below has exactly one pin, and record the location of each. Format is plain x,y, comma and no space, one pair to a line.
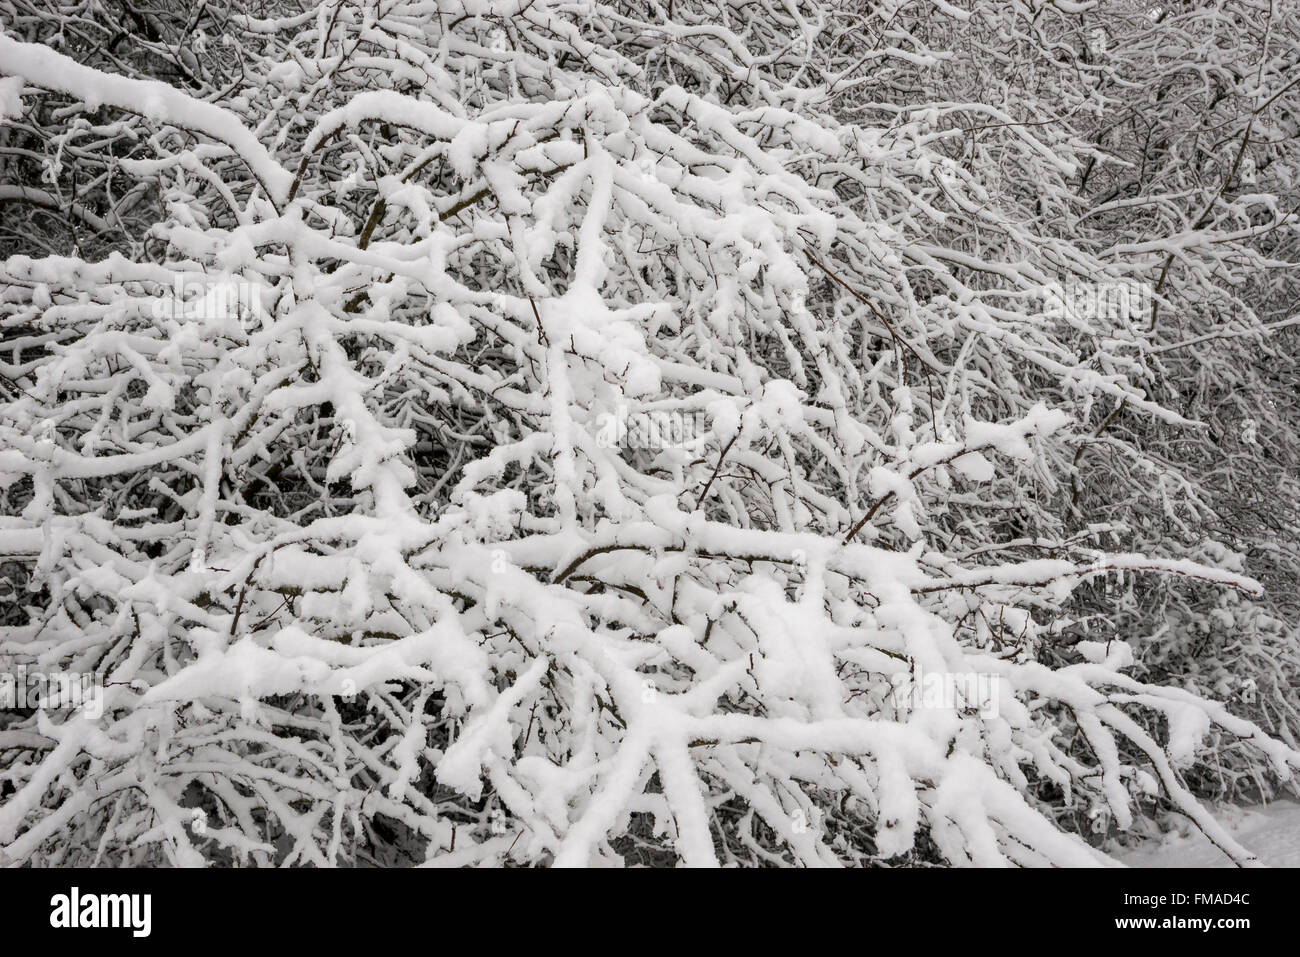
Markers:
625,437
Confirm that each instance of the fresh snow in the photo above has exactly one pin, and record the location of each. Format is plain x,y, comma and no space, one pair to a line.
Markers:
1271,831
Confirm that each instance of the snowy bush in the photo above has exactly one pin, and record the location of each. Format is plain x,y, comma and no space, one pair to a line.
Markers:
304,449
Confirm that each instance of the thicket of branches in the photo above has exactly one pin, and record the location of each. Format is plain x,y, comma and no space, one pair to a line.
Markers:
313,315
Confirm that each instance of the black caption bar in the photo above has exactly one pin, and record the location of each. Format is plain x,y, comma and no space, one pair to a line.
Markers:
365,907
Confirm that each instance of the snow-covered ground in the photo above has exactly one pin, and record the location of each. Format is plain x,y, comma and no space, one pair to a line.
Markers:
1272,832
